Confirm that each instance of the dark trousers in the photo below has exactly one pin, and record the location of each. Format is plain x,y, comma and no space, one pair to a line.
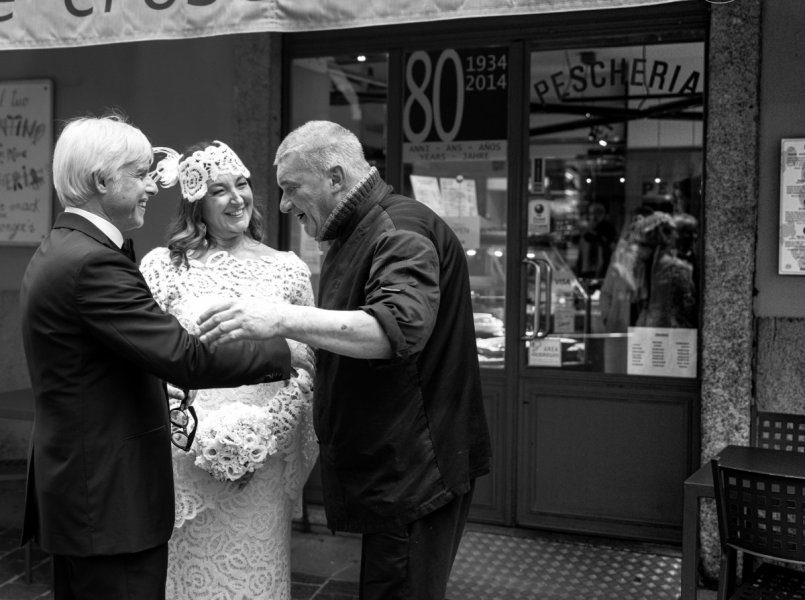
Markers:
137,576
414,561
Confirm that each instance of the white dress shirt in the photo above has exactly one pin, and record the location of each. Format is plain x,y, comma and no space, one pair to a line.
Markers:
112,232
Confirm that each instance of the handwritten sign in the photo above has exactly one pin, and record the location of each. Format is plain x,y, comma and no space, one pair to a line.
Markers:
26,142
792,208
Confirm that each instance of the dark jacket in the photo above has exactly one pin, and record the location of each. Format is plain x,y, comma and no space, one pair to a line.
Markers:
400,437
98,348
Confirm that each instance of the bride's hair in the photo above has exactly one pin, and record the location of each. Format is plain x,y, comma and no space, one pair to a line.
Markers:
187,233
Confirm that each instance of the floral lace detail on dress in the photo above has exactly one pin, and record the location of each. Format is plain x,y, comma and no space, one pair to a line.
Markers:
252,522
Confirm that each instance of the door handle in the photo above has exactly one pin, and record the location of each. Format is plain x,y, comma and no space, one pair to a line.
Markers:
543,271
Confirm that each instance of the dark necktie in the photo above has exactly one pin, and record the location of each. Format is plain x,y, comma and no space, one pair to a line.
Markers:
128,249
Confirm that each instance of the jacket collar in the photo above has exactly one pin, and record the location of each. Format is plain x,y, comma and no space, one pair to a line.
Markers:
355,204
78,223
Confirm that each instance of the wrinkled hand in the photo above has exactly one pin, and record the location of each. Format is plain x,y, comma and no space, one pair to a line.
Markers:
230,320
176,395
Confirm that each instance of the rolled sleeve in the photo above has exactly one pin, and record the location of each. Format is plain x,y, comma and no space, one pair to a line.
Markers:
402,292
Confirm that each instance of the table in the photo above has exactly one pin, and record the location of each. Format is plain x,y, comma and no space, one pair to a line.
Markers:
17,404
700,485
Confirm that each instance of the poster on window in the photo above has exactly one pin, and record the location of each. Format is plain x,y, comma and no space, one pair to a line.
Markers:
662,352
26,140
454,105
792,208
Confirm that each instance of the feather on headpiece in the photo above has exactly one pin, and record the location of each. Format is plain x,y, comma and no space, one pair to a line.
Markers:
194,171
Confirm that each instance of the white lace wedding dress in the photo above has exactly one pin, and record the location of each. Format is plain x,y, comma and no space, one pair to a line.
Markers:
232,544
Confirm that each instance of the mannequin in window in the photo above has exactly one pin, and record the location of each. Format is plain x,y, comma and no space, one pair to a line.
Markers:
596,244
666,294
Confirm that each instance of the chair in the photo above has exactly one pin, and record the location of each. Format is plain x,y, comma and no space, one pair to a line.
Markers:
761,515
774,430
779,431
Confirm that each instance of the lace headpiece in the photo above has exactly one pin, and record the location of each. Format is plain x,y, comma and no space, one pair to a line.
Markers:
192,172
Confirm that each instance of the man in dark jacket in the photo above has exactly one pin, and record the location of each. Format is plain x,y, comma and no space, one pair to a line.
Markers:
100,491
398,410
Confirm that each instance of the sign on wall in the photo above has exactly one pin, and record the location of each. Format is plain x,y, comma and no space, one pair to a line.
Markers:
792,207
454,105
26,140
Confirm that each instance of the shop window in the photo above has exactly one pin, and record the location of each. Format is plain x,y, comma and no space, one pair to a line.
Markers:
613,208
350,90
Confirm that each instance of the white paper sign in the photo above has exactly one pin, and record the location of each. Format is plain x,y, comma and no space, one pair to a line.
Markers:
467,229
459,197
546,352
426,190
662,351
792,208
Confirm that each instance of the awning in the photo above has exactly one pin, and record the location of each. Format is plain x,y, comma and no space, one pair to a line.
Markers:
27,24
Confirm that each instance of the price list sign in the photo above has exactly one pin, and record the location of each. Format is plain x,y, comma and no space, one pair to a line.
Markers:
662,351
455,105
26,140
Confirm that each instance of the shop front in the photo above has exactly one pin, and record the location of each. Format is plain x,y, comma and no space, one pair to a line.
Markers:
566,152
541,130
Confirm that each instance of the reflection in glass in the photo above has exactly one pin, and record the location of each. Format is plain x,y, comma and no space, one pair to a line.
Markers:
471,197
350,90
613,197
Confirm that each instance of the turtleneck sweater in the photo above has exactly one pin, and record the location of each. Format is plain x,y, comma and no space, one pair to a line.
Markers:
344,209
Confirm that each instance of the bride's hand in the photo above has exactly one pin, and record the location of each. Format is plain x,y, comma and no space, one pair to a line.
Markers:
302,356
244,480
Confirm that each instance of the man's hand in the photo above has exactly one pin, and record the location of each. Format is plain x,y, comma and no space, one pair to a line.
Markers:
352,333
176,395
230,320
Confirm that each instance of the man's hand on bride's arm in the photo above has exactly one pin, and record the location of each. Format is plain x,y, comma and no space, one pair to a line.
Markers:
353,333
230,320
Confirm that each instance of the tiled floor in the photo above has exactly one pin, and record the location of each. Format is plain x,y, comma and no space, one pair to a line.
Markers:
492,564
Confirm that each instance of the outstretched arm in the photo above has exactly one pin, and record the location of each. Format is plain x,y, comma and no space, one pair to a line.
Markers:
348,332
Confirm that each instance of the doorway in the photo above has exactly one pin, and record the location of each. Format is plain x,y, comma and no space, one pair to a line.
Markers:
573,179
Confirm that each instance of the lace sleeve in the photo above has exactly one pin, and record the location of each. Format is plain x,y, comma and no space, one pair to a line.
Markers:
300,462
301,287
159,272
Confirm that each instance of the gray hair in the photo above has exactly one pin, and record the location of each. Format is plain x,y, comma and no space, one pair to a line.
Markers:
90,146
322,145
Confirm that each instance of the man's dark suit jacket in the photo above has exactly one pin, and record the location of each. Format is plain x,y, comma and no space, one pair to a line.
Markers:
99,350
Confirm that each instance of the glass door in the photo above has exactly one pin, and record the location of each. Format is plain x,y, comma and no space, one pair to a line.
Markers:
608,379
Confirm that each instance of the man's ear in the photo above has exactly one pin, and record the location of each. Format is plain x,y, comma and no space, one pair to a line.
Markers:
337,177
99,181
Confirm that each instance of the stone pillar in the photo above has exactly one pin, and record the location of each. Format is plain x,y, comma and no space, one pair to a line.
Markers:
730,227
258,75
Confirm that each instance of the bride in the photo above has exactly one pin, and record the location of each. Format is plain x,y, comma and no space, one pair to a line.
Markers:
233,529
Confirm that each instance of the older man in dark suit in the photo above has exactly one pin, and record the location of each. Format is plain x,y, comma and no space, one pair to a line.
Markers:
99,349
